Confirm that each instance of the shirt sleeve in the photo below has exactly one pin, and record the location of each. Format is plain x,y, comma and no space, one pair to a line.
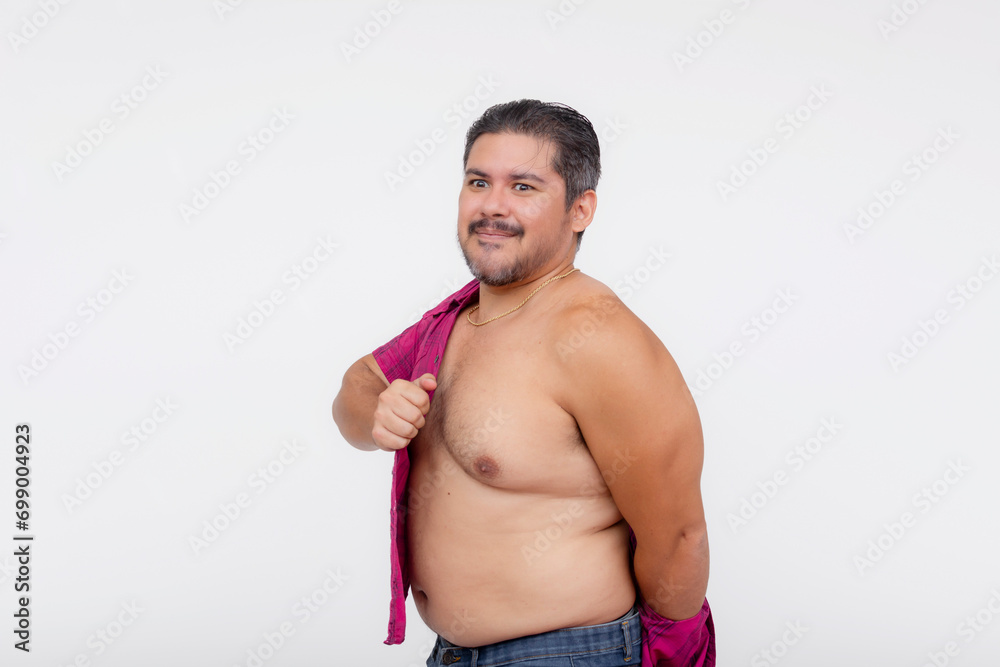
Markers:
686,643
689,642
397,357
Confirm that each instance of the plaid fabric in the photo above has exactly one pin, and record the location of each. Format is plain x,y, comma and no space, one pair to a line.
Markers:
665,643
418,350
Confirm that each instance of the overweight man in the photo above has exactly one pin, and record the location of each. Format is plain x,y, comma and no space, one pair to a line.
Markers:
546,501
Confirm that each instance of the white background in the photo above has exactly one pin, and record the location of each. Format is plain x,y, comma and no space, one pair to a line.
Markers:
673,130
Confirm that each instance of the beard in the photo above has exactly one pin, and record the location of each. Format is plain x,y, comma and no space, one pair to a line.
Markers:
490,269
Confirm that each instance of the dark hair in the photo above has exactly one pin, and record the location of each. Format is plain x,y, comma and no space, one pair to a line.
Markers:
578,155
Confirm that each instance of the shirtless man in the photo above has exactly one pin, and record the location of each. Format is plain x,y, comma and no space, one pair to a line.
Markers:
557,416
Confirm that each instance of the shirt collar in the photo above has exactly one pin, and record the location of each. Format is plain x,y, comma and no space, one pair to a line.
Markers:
459,299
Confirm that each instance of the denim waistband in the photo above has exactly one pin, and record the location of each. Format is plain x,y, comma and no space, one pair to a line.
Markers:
624,634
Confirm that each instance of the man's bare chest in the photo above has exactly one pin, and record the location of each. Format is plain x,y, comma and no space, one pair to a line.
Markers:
495,413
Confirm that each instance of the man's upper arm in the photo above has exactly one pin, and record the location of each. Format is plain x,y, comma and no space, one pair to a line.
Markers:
639,421
368,361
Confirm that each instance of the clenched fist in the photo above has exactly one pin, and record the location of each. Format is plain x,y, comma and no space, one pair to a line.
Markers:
400,412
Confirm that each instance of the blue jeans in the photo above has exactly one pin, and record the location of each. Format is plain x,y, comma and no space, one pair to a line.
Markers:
606,645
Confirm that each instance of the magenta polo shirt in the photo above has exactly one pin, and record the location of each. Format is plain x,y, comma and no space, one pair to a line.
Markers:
418,350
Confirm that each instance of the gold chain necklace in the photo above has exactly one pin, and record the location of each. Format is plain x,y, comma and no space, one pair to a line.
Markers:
468,315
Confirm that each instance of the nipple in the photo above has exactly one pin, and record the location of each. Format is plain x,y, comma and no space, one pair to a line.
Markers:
487,467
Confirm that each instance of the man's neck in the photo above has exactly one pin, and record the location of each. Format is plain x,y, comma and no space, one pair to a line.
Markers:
494,301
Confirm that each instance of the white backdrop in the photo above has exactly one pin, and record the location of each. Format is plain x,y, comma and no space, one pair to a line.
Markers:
209,210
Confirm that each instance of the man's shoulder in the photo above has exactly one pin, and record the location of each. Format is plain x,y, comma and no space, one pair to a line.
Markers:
593,320
589,294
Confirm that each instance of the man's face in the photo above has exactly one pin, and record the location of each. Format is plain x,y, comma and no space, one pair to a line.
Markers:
512,218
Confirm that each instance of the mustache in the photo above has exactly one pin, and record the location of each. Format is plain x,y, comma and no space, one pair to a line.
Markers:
499,225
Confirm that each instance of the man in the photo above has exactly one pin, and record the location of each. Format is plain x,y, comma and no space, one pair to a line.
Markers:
535,420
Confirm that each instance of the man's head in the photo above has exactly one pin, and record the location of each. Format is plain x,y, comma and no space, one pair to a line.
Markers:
519,217
577,154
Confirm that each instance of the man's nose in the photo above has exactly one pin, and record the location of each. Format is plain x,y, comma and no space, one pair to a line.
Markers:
495,204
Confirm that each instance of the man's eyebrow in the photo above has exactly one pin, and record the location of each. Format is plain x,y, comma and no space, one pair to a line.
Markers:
526,176
514,176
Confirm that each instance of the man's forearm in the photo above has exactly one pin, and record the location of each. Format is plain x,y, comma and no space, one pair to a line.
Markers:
673,579
354,407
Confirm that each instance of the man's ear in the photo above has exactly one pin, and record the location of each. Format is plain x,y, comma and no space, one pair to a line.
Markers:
582,211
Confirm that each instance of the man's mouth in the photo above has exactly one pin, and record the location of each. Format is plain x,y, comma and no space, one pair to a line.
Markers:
493,233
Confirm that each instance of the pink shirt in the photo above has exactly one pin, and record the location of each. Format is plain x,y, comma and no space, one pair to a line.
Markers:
418,350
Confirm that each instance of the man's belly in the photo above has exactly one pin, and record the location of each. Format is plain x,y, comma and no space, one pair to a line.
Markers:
489,564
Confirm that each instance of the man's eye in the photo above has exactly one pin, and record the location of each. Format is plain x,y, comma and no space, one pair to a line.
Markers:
477,183
523,187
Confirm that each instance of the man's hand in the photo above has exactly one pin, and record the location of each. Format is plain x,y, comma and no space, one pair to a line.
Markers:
400,412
